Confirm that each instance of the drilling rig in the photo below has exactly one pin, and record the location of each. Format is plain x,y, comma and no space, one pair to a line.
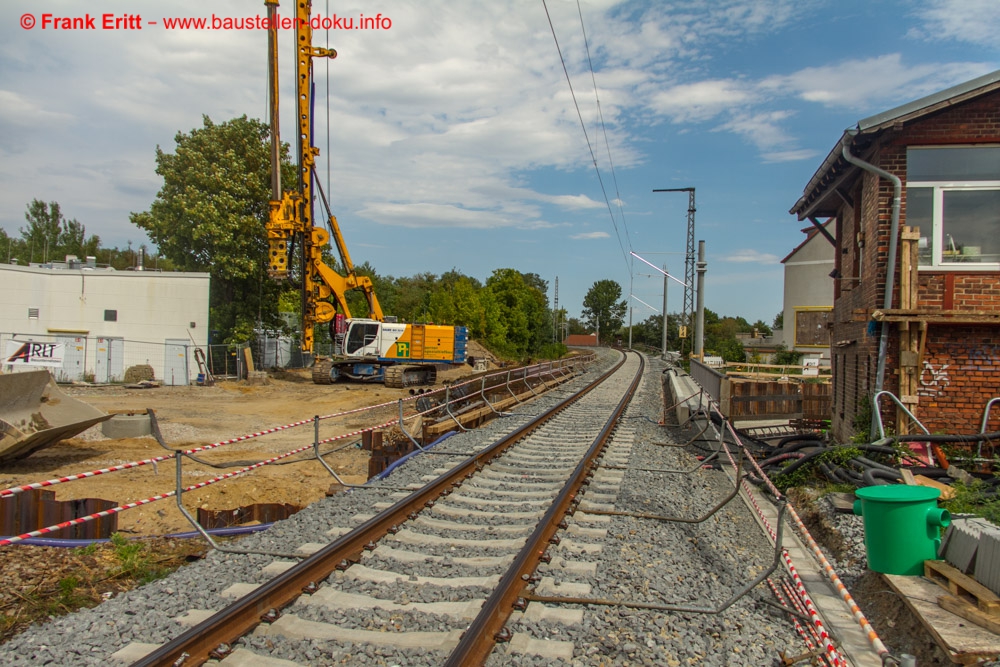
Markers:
375,348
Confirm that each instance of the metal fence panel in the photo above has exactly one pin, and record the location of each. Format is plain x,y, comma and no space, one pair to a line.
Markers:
103,360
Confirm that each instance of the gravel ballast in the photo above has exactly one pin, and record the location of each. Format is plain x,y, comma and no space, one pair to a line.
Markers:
640,560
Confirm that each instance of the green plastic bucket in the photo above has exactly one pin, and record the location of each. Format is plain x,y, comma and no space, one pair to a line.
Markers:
902,526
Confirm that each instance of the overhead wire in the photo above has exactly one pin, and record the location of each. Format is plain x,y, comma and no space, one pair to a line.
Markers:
604,129
586,136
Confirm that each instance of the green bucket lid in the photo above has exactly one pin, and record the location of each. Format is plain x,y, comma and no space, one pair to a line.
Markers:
898,493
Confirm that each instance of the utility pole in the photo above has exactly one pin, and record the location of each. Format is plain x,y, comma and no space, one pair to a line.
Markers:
665,276
630,307
699,328
688,305
555,328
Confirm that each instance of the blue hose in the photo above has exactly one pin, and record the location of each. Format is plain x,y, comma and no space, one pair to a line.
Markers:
77,544
398,462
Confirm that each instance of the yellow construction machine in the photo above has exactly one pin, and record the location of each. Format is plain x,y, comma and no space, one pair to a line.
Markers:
375,348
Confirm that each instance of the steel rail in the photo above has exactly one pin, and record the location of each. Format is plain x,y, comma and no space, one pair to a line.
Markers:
212,637
479,639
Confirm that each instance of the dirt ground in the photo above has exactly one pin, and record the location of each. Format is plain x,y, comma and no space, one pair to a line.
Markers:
192,416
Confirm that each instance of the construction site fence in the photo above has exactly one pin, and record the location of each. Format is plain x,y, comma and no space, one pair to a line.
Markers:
748,399
108,360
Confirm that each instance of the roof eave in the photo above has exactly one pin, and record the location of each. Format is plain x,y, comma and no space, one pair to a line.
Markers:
867,128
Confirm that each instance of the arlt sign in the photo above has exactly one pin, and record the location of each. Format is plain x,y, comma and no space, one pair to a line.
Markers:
21,353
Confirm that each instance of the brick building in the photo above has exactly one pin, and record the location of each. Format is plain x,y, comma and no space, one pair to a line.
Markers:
579,340
940,331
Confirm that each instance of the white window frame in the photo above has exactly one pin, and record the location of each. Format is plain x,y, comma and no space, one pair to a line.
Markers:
936,235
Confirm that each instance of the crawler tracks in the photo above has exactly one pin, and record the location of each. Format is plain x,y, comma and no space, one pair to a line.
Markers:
527,481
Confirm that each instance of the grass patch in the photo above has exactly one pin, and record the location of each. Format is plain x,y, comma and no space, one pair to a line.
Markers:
809,474
54,581
973,499
135,561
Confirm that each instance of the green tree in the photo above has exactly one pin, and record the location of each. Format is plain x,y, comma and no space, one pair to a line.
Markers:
650,331
602,308
786,357
210,216
9,247
731,349
779,321
575,326
517,315
761,328
50,236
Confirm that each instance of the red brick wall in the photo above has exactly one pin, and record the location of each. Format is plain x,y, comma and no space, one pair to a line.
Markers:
960,291
961,372
961,363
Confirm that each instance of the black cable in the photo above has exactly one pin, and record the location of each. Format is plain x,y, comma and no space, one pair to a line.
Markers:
974,437
795,465
796,446
587,137
795,438
874,464
875,476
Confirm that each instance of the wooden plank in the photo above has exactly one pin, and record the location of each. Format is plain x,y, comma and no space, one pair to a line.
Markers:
891,312
969,612
905,275
842,502
963,586
937,317
908,477
433,430
779,366
964,643
947,493
767,398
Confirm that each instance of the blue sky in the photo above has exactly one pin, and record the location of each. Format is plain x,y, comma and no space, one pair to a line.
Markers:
454,139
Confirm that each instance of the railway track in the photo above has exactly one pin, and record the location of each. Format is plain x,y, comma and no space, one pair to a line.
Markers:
438,564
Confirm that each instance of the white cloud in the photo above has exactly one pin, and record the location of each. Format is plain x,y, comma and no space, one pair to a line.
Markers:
762,129
420,215
749,255
572,202
590,235
439,121
701,100
973,21
872,82
789,156
16,109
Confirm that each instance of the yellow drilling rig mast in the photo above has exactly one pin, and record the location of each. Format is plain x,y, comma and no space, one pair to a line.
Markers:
371,348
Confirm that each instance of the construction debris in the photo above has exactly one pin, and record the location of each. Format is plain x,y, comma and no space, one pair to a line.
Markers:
35,413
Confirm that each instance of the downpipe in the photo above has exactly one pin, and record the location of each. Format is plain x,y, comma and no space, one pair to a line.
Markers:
890,279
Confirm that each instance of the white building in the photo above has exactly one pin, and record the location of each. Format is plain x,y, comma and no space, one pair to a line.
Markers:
108,320
808,302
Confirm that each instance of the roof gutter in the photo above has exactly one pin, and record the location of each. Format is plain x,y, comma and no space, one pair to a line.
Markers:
890,279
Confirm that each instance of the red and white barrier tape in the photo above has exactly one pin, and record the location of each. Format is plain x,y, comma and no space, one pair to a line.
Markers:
146,501
802,632
814,618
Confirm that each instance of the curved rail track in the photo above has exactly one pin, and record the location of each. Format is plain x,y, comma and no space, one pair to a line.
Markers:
569,536
522,486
